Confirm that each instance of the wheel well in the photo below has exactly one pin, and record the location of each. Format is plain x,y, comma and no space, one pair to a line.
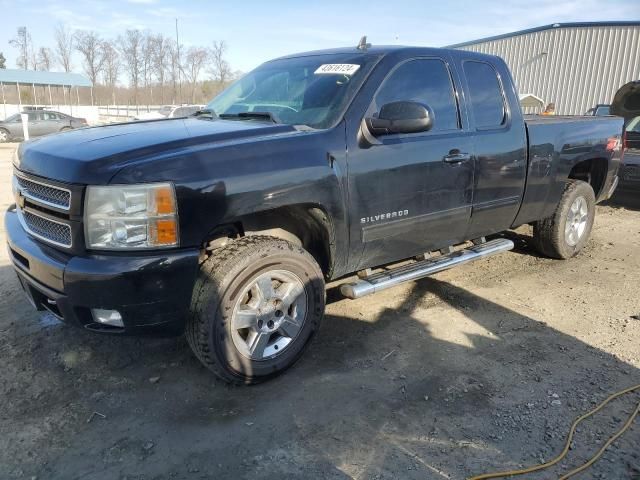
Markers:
593,171
306,225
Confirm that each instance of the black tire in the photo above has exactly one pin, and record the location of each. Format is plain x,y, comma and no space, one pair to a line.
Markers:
4,135
549,234
222,279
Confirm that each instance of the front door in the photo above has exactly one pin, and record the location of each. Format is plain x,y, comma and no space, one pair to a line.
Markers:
36,124
410,193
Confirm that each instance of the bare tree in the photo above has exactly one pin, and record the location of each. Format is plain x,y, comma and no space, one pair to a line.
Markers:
89,45
22,41
2,61
45,59
111,70
64,47
161,57
131,47
220,68
195,60
147,60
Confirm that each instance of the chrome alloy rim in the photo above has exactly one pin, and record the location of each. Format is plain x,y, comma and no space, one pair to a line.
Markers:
269,314
4,136
576,221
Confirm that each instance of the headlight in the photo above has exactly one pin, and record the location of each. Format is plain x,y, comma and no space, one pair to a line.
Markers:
131,216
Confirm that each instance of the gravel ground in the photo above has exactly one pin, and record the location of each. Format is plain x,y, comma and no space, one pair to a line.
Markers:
477,369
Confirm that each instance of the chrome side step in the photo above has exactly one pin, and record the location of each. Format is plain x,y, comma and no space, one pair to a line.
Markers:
424,268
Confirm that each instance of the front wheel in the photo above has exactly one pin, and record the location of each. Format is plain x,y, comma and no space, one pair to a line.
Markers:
4,135
256,304
566,232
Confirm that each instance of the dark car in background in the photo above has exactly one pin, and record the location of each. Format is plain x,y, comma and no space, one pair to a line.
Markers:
632,134
631,170
41,122
630,178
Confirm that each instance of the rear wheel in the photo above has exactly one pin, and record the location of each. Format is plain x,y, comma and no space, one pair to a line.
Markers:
566,232
256,304
4,135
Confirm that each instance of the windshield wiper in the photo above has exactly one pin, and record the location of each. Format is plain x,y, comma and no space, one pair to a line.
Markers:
205,111
251,115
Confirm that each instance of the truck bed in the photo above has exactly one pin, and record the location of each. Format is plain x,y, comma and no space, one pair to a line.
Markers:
557,142
555,119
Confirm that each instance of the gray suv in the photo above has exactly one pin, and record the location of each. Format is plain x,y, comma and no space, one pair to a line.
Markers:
41,122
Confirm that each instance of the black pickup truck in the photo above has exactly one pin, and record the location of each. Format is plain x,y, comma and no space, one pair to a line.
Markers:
312,167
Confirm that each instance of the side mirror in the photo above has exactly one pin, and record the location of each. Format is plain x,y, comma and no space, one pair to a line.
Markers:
400,117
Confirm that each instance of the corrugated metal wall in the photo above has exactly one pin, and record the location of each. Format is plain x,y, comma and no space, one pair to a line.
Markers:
573,67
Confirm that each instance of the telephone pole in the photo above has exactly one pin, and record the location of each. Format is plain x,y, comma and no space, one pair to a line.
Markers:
178,61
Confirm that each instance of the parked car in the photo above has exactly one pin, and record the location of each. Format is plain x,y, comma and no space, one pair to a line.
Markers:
600,110
632,134
226,225
630,178
169,111
40,122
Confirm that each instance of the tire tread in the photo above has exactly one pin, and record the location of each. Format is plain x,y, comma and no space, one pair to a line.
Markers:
213,272
548,233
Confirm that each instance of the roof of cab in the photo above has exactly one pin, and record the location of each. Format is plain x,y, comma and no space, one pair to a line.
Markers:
383,50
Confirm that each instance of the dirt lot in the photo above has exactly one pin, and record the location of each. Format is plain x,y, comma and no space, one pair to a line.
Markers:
477,369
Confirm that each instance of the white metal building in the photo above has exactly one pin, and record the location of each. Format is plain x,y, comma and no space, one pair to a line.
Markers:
574,65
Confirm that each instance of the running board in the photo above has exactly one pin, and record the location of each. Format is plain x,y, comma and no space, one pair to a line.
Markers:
424,268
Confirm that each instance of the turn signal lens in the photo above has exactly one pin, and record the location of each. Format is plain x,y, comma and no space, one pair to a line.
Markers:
164,232
165,201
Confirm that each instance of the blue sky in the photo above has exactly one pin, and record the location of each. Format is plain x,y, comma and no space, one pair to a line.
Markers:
258,30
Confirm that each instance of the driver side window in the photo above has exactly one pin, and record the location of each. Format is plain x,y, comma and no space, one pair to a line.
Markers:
425,81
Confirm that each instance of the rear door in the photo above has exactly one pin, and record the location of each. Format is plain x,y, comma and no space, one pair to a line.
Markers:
499,146
407,192
51,122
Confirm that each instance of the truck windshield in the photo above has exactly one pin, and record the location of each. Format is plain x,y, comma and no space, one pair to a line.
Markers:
313,90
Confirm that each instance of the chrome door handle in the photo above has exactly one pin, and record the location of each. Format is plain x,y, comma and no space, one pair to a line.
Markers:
456,158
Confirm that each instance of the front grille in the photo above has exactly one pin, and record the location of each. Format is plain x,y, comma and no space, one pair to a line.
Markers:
51,231
47,194
631,172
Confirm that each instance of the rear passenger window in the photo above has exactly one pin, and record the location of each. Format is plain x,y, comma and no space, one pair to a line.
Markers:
426,81
487,101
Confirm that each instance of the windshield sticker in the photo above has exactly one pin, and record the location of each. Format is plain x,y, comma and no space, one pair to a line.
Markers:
337,69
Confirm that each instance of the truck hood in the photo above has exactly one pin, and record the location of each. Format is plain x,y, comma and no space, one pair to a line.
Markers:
94,155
